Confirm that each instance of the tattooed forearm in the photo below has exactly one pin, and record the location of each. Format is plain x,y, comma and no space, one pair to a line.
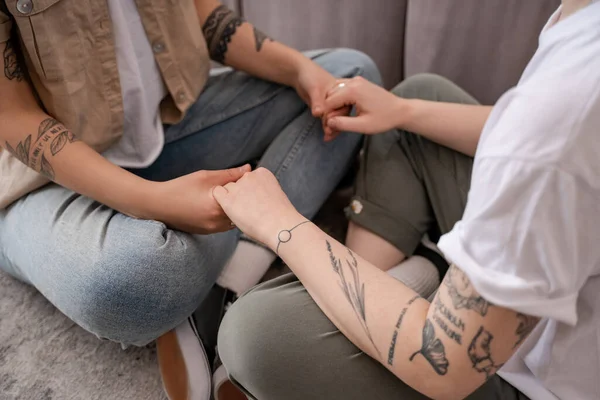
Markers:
445,311
51,135
260,38
481,355
46,169
445,319
452,334
46,126
526,325
218,30
354,289
21,151
433,350
392,349
463,294
12,68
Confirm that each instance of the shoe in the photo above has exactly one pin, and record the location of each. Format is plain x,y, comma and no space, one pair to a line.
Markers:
183,364
223,388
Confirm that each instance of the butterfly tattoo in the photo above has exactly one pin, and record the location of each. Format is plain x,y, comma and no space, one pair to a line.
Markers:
433,350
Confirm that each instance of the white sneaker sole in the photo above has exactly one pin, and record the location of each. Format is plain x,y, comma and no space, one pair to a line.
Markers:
223,388
190,363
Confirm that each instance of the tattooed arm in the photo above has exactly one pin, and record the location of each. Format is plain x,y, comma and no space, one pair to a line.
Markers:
48,147
234,42
445,349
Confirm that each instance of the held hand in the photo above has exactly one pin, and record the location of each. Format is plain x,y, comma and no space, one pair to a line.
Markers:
258,206
312,84
377,110
187,203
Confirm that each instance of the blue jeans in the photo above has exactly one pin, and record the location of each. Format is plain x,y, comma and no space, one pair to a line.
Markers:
131,280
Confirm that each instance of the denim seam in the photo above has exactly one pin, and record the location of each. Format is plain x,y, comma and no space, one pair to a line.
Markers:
295,149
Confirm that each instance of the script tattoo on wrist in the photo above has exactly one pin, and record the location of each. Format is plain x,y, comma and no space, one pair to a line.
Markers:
392,349
353,288
218,30
50,132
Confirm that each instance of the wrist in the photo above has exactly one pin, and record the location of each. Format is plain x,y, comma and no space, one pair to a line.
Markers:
146,201
405,112
293,71
281,230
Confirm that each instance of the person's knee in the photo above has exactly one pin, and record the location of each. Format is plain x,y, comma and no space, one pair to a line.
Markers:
424,86
257,334
243,335
142,289
356,63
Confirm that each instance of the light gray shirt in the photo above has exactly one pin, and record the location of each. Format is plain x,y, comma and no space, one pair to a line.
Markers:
142,88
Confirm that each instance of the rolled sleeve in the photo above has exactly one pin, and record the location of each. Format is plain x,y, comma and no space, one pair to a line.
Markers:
527,240
5,27
508,290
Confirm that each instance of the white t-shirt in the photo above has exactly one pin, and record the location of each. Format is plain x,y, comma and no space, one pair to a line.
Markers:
142,89
530,236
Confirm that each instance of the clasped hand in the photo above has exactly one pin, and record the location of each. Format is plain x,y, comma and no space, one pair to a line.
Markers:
376,109
257,204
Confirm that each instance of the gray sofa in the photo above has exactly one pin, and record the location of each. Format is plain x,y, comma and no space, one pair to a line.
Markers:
481,44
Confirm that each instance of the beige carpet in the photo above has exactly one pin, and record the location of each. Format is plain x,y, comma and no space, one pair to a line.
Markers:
44,356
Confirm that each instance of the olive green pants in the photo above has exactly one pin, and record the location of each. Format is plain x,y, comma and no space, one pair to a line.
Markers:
275,341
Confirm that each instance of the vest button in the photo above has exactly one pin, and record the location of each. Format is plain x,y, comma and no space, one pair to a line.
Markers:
158,47
24,6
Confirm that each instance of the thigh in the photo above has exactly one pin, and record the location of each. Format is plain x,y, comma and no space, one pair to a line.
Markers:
238,116
290,350
408,185
277,344
121,278
444,173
